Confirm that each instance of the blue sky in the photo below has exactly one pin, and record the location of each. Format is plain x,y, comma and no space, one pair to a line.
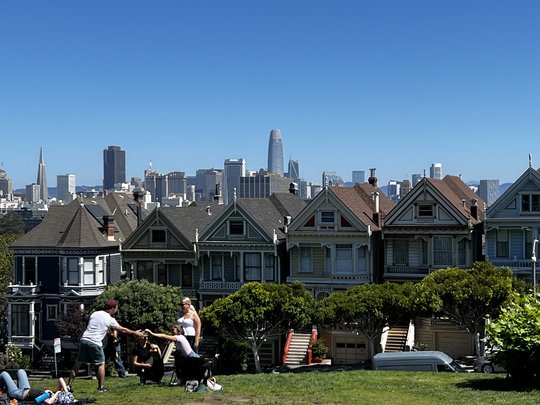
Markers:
395,85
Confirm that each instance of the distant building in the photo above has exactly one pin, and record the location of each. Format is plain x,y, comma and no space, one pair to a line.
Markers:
488,190
6,185
263,185
416,177
330,178
114,167
294,169
393,190
435,171
42,178
405,188
65,187
206,181
358,176
33,194
233,170
275,152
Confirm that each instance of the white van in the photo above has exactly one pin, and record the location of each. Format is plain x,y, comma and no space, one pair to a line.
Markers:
416,361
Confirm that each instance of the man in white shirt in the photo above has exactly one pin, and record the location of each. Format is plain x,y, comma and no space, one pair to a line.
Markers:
91,344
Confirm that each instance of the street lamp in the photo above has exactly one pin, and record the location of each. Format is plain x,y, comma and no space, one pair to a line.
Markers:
533,258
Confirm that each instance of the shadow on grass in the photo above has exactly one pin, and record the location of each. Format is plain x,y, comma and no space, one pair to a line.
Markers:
498,384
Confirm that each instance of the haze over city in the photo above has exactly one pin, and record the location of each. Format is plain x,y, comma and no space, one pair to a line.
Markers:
351,85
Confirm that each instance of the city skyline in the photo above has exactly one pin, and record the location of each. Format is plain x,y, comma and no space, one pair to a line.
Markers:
352,85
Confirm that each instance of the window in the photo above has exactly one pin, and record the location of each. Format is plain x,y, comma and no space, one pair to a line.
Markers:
425,210
327,218
400,251
100,269
423,252
217,266
269,260
442,250
344,259
73,271
52,312
30,270
236,228
145,271
162,274
502,243
305,260
88,272
252,266
362,262
159,236
530,203
528,244
462,252
20,319
187,276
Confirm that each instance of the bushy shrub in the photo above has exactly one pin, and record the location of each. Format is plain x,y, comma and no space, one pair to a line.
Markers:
14,358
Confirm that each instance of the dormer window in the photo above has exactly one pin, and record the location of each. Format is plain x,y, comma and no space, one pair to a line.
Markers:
236,228
530,203
425,211
327,217
159,236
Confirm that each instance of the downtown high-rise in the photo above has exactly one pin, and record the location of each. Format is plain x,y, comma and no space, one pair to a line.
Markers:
42,178
275,152
114,167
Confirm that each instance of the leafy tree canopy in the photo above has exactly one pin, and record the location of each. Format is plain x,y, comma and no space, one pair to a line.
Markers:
11,224
143,304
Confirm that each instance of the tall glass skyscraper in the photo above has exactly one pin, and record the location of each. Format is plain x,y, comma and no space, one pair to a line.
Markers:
233,169
275,152
114,167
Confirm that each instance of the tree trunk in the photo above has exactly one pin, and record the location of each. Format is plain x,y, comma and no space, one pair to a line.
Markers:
255,349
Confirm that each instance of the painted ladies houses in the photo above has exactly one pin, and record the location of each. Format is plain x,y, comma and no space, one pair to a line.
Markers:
162,248
66,260
245,242
334,242
512,224
438,224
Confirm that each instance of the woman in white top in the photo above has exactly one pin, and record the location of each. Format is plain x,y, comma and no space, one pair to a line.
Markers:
182,345
190,323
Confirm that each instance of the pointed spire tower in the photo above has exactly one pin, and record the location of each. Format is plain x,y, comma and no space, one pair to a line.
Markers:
42,177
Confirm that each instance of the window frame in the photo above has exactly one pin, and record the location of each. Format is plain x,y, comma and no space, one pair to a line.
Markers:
442,256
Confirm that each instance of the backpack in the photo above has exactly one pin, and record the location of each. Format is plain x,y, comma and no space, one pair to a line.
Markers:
192,385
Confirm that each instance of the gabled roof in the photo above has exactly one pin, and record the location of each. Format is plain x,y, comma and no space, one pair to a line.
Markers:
266,214
529,175
451,192
67,226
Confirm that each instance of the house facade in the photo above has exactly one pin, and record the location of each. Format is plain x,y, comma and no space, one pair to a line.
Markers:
436,225
512,224
66,260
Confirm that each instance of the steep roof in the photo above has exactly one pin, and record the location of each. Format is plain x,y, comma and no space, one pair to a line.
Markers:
459,195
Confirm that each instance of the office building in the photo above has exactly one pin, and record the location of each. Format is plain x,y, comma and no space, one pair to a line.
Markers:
393,190
263,185
6,185
435,171
233,169
42,178
33,193
65,187
275,153
294,169
206,181
330,178
404,188
488,190
358,176
416,177
114,167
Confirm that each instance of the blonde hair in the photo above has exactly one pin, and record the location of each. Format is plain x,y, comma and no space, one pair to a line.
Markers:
186,300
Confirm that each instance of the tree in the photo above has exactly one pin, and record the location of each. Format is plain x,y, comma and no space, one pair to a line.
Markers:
73,323
367,309
6,275
468,296
11,224
143,304
259,311
516,333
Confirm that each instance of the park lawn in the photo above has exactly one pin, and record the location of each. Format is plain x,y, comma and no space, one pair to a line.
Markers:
338,387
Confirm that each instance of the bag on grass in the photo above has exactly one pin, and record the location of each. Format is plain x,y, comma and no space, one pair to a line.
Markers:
213,385
192,385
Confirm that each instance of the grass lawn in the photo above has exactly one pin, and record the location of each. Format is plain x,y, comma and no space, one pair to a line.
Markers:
337,387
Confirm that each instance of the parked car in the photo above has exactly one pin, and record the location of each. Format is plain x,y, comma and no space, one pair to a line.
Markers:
485,364
416,361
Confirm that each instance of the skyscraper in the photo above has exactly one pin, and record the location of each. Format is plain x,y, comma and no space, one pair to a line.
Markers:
65,187
275,152
114,167
435,171
416,177
42,177
233,169
488,190
6,185
294,169
358,176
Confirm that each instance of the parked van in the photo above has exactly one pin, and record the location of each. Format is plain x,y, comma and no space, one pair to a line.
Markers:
416,361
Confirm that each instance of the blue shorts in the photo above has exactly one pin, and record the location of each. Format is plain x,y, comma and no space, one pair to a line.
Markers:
90,353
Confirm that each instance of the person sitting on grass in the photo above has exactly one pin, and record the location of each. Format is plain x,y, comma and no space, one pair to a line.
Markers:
147,360
23,392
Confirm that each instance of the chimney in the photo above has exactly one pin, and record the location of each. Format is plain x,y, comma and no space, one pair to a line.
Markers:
287,221
138,197
218,198
474,208
376,209
293,188
372,178
108,226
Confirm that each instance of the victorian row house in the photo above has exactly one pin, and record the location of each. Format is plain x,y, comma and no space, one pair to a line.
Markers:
343,237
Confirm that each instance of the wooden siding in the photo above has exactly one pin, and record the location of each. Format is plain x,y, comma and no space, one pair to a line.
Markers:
444,336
